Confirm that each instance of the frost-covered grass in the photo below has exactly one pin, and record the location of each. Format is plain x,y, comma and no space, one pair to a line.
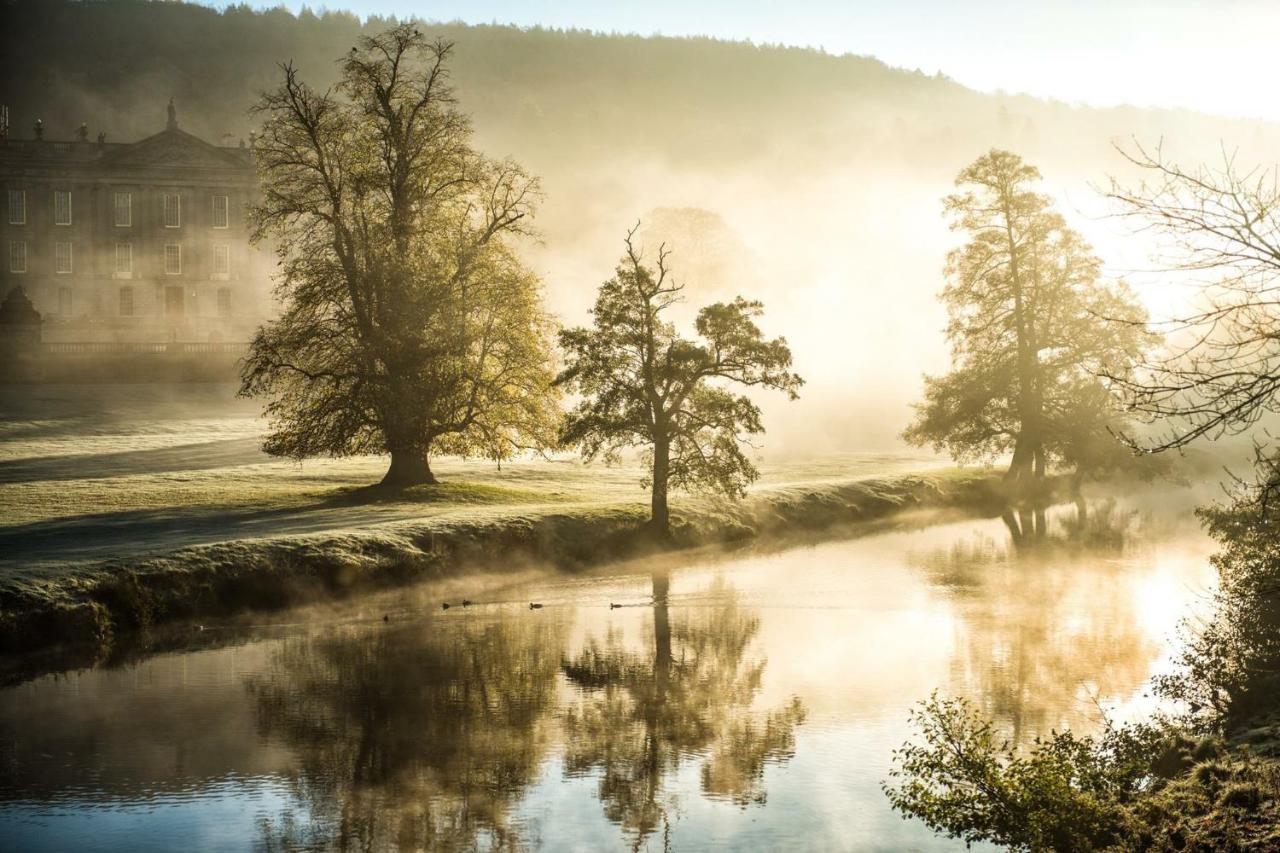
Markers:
110,471
123,505
475,529
278,484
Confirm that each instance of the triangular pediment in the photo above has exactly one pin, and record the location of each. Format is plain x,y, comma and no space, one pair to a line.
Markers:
174,147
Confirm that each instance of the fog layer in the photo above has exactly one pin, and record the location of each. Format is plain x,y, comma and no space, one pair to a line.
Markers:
810,181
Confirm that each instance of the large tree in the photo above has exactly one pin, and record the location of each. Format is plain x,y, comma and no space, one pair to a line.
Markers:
1032,328
642,384
409,325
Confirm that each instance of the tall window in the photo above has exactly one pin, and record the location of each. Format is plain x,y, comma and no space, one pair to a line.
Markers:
64,301
61,208
172,210
221,260
124,259
126,302
172,259
224,302
17,256
17,207
221,211
124,210
62,258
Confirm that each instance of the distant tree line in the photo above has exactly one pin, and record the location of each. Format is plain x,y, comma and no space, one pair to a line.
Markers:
115,63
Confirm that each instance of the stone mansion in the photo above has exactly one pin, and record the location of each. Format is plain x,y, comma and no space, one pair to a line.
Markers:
131,243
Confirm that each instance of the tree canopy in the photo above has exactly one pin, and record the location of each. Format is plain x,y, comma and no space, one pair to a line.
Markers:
1031,328
642,384
409,324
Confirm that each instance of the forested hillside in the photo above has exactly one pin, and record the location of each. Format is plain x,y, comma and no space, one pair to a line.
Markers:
812,181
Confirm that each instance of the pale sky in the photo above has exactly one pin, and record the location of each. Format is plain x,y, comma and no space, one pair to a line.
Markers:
1216,56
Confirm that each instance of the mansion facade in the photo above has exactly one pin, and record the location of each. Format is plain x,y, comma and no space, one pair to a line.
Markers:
132,243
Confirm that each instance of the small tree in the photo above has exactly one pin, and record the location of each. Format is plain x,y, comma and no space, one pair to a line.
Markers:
409,325
1031,329
644,385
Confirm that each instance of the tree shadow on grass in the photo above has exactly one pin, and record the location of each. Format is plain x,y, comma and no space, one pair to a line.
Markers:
36,547
449,492
202,456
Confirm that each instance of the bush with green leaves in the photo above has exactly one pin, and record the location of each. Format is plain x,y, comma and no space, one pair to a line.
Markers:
1140,787
1063,792
1229,670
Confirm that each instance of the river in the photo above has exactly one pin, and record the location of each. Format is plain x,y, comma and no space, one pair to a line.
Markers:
729,701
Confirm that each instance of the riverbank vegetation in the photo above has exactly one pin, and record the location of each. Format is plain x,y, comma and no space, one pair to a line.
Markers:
1206,777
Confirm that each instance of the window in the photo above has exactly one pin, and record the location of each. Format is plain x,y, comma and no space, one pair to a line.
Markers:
172,259
124,210
62,258
221,212
126,302
17,207
124,260
221,261
224,302
17,256
61,208
172,210
64,301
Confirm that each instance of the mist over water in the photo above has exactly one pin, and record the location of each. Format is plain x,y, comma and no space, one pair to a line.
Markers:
714,702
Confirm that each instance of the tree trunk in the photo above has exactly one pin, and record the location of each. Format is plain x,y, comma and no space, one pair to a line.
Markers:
659,517
1020,465
409,467
1077,493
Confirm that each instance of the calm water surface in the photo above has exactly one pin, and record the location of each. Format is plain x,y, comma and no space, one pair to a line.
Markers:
737,702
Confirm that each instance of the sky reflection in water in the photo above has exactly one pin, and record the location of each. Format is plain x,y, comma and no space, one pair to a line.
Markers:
743,700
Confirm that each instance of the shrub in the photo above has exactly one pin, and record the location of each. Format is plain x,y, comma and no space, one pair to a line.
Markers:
1062,793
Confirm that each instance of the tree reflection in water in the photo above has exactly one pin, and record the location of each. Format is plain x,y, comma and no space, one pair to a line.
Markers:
1102,527
1040,645
641,714
420,737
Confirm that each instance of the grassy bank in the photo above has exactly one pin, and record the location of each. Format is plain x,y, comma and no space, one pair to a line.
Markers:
91,602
